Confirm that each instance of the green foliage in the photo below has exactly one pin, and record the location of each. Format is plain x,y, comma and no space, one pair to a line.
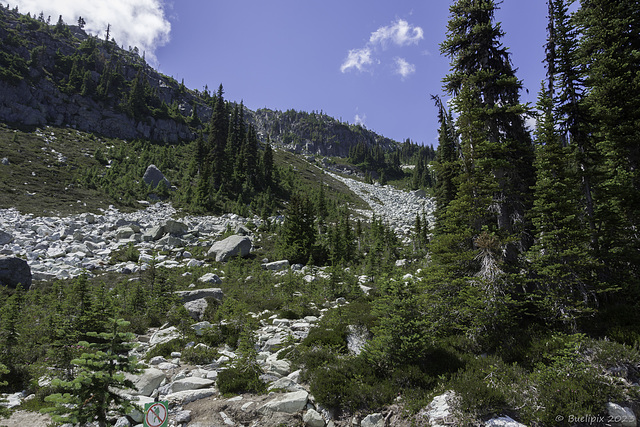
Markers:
244,375
100,373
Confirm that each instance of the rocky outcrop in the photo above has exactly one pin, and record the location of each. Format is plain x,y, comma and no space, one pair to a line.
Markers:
15,271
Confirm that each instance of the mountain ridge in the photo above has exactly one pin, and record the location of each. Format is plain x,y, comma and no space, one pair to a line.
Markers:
58,75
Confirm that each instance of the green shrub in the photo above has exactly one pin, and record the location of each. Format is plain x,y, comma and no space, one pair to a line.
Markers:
199,355
350,384
165,349
241,379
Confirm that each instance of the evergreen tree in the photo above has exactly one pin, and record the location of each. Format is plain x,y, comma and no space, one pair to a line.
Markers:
496,149
609,53
447,164
562,264
297,240
100,375
217,142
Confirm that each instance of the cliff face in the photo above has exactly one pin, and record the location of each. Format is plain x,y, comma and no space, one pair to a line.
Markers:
54,76
60,76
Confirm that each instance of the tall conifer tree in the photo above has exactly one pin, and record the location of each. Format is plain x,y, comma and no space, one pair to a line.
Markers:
496,150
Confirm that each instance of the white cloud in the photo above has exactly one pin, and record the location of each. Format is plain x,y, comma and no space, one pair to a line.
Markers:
360,120
140,23
404,68
400,33
358,59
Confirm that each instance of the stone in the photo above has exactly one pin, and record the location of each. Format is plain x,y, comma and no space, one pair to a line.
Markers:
153,233
200,327
621,416
276,265
5,161
186,396
211,279
503,422
196,308
5,238
289,403
187,296
134,413
191,383
182,417
440,410
285,383
231,246
153,177
122,422
164,335
373,420
14,271
313,419
175,228
147,381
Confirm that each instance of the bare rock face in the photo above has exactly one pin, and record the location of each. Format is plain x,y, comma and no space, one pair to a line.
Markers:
15,271
153,177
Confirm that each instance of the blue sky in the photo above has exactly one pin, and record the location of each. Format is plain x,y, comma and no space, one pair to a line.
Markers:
374,62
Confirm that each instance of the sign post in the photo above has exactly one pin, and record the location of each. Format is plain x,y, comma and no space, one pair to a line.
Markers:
156,414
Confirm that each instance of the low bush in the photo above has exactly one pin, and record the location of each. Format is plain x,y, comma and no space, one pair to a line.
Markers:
241,379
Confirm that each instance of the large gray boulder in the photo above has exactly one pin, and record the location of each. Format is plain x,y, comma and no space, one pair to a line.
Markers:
153,177
188,296
290,403
14,271
229,247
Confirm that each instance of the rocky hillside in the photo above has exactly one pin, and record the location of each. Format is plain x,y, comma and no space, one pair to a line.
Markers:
316,133
58,75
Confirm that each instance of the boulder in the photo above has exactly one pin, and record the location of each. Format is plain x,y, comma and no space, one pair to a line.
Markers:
231,246
186,396
196,308
200,327
153,177
14,271
175,228
289,403
211,279
620,415
153,233
187,296
191,383
373,420
313,419
503,422
440,411
276,265
5,238
147,381
164,335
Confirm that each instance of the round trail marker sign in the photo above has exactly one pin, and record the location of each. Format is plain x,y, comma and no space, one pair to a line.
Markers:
156,414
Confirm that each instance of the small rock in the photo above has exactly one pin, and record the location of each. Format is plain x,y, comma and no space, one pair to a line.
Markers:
373,420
